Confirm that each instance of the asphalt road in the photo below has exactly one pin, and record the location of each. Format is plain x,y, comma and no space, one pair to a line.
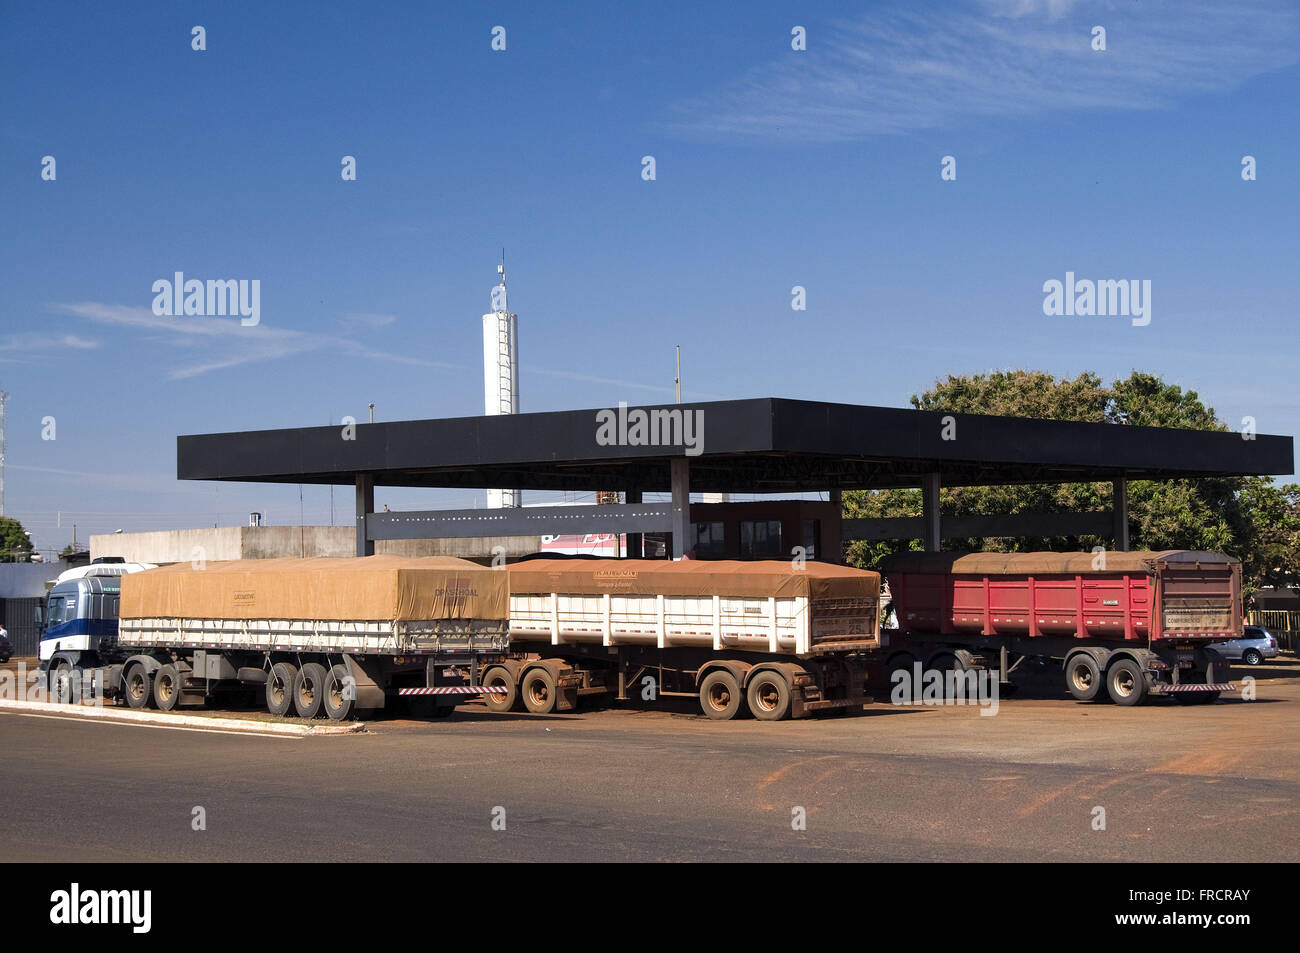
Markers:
1197,783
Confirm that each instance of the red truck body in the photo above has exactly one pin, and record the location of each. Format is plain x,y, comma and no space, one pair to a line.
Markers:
1170,597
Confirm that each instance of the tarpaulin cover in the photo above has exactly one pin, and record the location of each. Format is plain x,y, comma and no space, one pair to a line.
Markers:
1025,564
690,577
367,588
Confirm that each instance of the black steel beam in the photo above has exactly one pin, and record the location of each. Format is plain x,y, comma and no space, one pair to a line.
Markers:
962,527
521,521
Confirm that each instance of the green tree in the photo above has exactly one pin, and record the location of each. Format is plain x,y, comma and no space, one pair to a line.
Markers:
1246,517
15,546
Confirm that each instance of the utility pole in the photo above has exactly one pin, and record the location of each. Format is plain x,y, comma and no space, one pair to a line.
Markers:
678,379
4,399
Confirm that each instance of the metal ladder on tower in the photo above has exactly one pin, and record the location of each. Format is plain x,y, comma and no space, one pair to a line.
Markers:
505,373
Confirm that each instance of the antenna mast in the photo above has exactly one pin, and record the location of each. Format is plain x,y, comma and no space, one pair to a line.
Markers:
4,399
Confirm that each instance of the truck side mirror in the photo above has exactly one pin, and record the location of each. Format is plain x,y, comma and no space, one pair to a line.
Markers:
40,615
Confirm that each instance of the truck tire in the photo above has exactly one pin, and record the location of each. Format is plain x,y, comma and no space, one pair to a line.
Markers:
943,663
279,688
137,686
167,687
442,710
337,701
1083,678
309,690
62,682
538,689
720,695
769,696
498,676
1126,684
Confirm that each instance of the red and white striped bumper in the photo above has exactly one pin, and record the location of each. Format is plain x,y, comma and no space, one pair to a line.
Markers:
452,690
1182,689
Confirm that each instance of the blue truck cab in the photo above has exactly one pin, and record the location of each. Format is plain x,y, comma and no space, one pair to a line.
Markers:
78,621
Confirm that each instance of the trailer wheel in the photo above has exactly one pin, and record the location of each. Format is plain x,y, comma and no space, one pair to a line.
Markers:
338,701
137,686
720,695
769,696
279,688
1083,678
309,690
441,711
501,702
167,687
1126,684
538,689
900,662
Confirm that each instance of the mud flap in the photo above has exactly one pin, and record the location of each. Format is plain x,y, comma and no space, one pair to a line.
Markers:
369,695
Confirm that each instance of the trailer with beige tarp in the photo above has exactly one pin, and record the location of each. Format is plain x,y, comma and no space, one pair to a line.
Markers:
777,639
312,636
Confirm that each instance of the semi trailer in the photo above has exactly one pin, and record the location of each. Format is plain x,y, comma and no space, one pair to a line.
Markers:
308,636
1123,626
776,639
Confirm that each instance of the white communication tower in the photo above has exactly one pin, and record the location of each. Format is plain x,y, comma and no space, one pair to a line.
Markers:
500,369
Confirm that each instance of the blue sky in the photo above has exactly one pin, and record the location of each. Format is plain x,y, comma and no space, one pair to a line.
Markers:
775,168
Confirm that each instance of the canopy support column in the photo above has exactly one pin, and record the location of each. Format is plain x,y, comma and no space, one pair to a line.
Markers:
365,506
1119,511
681,484
930,511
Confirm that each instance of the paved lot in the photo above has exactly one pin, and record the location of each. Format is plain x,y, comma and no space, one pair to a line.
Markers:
1217,782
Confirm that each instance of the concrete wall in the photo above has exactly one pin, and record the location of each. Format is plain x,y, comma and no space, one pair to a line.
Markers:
266,542
170,546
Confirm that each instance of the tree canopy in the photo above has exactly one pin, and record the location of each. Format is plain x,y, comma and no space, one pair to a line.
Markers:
15,546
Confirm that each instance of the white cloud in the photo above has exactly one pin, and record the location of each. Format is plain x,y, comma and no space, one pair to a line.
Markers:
360,320
898,70
34,341
225,342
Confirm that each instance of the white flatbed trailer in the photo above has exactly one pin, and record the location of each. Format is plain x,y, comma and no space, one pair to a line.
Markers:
774,638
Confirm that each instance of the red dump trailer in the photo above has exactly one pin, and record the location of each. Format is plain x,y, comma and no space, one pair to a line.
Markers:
1123,625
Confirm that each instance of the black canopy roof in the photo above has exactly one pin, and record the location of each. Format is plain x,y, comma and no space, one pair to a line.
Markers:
756,445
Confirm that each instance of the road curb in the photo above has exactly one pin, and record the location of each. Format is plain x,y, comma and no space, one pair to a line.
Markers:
171,720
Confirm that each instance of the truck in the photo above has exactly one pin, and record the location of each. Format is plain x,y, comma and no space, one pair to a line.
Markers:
78,623
311,637
1123,626
777,639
